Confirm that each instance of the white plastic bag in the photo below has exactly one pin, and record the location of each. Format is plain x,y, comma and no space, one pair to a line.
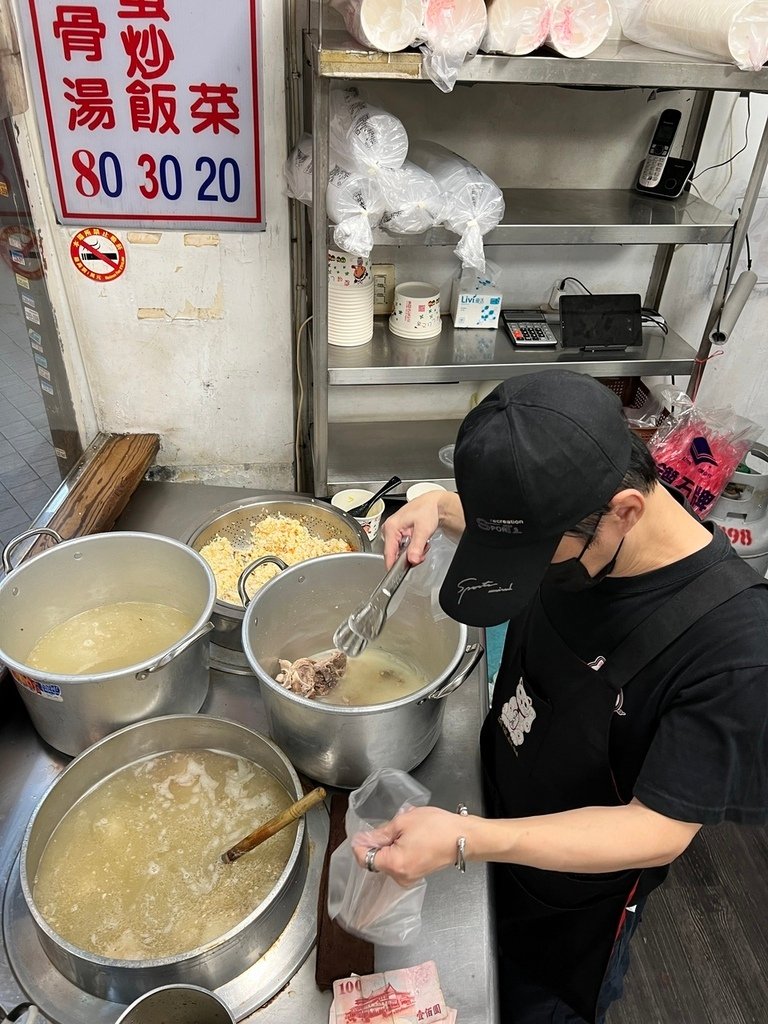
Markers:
516,27
354,201
365,138
366,903
452,33
731,30
387,25
431,573
413,200
578,27
473,203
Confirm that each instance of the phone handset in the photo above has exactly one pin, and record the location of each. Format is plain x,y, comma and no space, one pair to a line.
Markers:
661,144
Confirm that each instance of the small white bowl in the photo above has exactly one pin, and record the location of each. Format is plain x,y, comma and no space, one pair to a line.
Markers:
345,500
415,490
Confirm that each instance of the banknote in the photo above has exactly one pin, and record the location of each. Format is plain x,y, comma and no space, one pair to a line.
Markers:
411,995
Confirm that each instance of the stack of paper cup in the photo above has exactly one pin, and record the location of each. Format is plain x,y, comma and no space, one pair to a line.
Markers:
416,311
350,299
578,27
516,27
387,25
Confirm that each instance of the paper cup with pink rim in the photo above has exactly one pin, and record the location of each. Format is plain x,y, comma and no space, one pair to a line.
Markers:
345,500
416,311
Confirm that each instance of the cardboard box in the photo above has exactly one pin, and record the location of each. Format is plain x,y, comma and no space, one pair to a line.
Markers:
475,302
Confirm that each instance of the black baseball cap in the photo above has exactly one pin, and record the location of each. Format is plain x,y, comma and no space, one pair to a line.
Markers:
540,453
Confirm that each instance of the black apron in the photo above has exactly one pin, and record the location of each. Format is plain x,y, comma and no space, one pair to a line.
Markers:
560,928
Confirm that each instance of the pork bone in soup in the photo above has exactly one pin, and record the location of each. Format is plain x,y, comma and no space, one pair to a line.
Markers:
133,870
109,637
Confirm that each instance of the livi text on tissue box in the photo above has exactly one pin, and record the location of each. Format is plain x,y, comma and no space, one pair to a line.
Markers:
475,303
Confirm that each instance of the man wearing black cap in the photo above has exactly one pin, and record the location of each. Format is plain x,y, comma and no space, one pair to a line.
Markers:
631,705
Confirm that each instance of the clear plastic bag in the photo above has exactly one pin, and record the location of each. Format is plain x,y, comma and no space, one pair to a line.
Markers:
365,138
413,199
369,904
578,27
452,33
516,27
473,203
354,201
697,450
427,578
730,30
391,27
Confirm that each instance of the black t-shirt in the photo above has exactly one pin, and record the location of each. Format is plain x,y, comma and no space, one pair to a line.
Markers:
693,740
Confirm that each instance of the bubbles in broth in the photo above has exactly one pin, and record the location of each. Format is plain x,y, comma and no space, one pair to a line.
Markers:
110,636
375,677
133,871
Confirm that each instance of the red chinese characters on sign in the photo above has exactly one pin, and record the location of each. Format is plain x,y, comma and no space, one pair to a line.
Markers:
144,122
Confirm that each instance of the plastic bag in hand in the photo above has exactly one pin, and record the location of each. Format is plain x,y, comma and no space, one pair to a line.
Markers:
365,138
697,450
366,903
452,32
413,200
473,204
729,30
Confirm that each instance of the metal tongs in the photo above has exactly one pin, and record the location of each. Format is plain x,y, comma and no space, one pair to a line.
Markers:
366,623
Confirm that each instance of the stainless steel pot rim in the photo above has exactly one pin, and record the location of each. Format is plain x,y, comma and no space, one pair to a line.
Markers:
236,611
99,677
321,706
181,958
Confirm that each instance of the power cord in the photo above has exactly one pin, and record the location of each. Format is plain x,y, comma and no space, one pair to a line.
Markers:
653,316
731,158
575,280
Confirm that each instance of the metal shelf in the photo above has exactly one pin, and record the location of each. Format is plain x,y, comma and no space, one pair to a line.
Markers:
460,354
538,216
616,63
365,454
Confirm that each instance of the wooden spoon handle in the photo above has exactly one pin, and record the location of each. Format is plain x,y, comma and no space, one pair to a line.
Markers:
274,825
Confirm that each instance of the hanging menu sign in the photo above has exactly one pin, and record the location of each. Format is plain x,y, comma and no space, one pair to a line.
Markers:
151,110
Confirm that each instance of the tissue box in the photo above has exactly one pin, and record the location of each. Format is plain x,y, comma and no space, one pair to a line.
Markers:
475,302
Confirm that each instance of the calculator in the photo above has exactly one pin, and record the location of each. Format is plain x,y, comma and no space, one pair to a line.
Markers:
528,327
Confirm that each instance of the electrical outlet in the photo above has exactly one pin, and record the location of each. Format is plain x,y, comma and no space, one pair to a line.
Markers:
383,287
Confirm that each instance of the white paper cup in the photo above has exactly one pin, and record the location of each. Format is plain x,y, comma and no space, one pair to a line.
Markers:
416,490
387,25
346,271
416,312
516,27
345,500
578,27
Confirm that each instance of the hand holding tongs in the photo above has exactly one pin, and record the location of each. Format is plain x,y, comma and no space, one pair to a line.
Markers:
367,622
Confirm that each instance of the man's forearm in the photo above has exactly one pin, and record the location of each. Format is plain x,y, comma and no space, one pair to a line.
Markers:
585,840
451,514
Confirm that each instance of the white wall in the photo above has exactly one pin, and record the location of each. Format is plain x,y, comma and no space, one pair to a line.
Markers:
194,340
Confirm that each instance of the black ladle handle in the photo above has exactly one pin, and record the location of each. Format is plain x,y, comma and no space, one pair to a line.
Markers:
360,511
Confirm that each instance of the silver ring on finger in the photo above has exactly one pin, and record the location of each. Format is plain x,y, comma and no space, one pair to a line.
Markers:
369,859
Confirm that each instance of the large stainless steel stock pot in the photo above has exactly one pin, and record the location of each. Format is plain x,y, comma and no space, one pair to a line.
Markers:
213,965
73,711
295,615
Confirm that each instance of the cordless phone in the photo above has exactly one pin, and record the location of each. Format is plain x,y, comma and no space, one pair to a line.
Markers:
661,144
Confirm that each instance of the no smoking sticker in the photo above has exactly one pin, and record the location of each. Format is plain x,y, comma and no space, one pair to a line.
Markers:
98,254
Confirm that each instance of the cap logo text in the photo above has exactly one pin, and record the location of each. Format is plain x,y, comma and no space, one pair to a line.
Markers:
500,525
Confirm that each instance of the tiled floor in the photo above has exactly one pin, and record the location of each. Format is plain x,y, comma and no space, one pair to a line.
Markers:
29,471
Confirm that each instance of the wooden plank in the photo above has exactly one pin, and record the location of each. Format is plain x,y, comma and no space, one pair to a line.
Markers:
103,489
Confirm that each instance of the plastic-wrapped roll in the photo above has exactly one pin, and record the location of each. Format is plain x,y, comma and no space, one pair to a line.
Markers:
363,137
452,32
387,25
356,205
728,30
354,201
472,202
516,27
413,199
578,27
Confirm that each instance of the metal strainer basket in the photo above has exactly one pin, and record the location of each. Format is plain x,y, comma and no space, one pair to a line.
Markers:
234,523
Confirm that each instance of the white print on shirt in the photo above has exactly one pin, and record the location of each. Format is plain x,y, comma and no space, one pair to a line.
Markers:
517,716
597,664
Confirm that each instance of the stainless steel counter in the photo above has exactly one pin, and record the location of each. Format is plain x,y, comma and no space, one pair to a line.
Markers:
458,923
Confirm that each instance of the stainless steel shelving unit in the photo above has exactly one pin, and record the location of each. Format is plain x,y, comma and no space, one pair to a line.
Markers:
346,454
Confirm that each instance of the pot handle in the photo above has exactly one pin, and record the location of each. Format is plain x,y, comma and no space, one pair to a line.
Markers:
176,651
474,653
245,574
13,544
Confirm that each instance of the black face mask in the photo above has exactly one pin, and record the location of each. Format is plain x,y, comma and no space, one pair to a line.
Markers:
572,574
